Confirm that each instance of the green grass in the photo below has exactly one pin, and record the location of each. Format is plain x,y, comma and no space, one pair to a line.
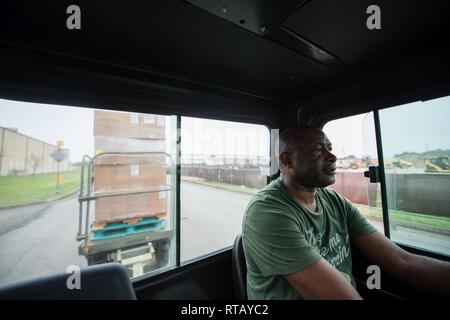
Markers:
17,190
403,216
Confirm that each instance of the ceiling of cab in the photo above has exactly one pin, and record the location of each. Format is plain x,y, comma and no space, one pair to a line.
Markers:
277,50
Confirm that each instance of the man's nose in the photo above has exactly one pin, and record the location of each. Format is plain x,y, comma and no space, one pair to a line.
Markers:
331,157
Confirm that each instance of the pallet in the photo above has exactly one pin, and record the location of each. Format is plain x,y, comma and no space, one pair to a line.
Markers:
97,225
101,225
120,229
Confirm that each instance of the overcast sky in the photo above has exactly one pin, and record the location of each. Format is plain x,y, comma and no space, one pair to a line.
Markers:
223,138
413,127
416,127
51,123
74,126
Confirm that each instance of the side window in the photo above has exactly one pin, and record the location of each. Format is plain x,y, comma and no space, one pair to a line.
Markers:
223,164
354,145
416,149
81,187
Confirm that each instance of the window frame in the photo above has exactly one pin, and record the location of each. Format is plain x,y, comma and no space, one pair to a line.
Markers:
178,211
384,199
176,147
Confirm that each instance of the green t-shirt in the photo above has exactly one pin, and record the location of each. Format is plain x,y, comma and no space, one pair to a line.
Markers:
281,236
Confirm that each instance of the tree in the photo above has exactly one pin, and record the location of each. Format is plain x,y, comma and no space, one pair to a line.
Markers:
34,161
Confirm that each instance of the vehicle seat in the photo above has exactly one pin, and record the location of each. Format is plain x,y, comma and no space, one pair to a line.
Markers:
109,281
239,269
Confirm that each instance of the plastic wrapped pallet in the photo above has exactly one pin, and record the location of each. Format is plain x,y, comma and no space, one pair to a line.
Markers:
119,174
129,125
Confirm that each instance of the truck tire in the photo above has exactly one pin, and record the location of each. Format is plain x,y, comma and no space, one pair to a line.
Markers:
162,251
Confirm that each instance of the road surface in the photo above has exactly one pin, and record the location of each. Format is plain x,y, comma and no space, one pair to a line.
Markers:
43,245
43,241
210,218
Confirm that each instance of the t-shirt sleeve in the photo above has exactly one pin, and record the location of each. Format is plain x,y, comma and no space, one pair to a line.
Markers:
357,225
273,241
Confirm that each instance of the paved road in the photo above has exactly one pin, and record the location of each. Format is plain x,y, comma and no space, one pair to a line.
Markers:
210,218
41,246
15,218
44,240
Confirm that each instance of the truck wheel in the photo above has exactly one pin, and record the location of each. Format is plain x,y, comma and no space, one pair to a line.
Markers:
162,250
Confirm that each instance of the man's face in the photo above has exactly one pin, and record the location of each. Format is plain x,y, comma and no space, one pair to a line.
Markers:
312,163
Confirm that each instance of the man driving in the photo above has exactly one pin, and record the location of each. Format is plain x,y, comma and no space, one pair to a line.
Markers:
298,234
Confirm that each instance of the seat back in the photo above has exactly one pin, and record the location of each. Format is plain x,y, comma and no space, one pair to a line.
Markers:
109,281
239,269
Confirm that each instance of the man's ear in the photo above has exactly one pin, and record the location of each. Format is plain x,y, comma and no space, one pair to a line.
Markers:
285,160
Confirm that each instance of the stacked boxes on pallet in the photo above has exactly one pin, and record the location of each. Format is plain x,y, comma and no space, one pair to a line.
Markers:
118,174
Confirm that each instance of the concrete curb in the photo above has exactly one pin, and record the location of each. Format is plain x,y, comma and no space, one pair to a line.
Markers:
41,202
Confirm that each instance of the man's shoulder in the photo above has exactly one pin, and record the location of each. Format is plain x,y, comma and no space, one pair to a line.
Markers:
271,196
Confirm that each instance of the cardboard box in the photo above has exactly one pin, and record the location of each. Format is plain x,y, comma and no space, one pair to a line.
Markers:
130,174
129,132
121,144
156,160
129,125
127,177
121,208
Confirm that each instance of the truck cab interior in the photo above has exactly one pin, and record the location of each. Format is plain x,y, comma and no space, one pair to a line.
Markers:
276,63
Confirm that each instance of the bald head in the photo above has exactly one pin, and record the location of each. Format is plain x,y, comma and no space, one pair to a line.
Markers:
296,137
305,157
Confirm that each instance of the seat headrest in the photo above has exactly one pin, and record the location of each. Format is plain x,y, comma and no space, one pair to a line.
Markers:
107,281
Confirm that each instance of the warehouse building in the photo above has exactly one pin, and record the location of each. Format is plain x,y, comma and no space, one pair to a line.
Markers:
21,154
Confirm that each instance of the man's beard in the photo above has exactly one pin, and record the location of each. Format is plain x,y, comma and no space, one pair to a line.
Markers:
316,180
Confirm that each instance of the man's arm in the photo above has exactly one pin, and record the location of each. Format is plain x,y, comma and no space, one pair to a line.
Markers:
322,281
424,273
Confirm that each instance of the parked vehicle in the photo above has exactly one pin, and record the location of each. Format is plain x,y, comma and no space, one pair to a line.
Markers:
439,164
